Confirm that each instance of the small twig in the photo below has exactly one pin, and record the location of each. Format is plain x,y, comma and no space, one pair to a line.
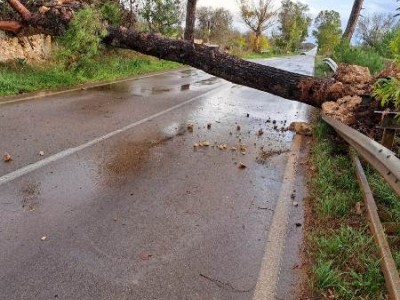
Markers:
265,208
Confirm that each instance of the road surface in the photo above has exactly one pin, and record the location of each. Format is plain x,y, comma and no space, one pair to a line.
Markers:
121,205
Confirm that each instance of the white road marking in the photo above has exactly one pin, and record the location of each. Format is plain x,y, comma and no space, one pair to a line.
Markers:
268,277
44,162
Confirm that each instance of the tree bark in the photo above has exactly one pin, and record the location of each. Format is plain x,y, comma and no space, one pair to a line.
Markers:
190,20
282,83
352,23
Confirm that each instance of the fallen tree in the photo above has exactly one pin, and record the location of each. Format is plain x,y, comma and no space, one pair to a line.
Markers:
53,18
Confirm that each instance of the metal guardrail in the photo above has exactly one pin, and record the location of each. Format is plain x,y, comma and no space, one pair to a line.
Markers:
331,63
381,158
385,162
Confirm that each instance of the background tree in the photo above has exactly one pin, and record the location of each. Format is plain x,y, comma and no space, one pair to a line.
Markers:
162,16
258,16
214,24
190,20
372,28
328,32
294,23
352,23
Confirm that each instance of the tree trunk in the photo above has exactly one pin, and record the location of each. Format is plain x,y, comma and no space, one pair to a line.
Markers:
282,83
256,47
285,84
352,23
190,20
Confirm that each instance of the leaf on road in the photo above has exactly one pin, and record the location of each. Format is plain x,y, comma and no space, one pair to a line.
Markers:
209,126
43,238
260,132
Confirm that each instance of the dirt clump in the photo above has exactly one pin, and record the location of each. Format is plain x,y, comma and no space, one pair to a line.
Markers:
343,109
301,128
353,74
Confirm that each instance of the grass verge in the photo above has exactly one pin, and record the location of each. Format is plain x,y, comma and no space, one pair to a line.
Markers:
343,256
19,77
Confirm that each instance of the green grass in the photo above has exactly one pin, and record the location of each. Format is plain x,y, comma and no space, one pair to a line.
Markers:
255,55
345,261
359,56
19,77
321,69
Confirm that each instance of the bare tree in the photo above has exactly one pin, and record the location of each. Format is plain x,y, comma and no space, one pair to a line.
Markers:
372,28
258,15
352,23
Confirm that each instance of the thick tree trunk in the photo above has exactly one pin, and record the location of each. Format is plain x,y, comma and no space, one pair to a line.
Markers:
190,20
282,83
352,23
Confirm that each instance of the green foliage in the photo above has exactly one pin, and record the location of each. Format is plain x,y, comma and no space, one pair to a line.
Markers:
214,24
162,16
81,42
387,90
258,16
111,12
346,54
383,47
294,24
394,44
328,33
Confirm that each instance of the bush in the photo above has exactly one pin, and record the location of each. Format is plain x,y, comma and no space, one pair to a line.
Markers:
346,54
81,42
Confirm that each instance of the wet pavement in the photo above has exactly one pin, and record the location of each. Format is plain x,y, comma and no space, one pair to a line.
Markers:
124,206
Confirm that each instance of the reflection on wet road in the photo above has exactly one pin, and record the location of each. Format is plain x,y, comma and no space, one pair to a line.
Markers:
142,213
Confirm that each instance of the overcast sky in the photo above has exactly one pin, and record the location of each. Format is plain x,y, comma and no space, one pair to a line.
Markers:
341,6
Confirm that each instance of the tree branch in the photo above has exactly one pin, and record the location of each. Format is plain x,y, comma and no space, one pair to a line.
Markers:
21,9
11,26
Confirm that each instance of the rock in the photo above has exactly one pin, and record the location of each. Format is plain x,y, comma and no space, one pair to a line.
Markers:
301,128
7,157
242,165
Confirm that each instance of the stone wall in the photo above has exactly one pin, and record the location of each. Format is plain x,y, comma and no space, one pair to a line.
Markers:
34,48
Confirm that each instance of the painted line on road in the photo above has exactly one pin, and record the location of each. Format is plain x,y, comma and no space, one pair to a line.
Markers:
84,87
44,162
267,283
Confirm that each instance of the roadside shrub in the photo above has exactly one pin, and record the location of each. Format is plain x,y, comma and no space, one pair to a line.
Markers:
81,42
387,90
346,54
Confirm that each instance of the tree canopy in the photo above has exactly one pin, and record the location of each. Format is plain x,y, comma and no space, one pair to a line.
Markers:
258,16
294,23
327,32
214,24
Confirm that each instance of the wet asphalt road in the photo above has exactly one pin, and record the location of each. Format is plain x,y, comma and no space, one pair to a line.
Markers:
122,206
